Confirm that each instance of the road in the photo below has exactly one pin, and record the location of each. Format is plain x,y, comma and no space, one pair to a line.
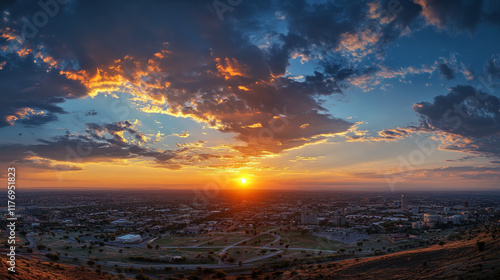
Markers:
223,251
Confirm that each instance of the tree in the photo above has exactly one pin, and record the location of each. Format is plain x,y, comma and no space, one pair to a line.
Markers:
481,245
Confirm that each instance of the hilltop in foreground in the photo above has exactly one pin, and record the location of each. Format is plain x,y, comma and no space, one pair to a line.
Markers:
472,258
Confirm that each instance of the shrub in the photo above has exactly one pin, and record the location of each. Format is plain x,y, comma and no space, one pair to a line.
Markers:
53,256
220,274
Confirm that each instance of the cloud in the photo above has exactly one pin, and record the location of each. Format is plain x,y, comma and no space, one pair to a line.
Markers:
392,134
464,158
452,14
31,96
446,71
32,160
447,172
388,135
68,152
91,113
467,119
184,134
116,130
464,111
117,142
373,76
492,71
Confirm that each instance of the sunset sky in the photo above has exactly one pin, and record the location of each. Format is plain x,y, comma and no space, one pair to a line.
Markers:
387,95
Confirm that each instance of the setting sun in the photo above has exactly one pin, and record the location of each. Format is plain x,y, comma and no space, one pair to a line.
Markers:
243,180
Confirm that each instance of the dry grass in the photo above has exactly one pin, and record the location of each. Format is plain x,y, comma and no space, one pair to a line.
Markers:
455,260
31,269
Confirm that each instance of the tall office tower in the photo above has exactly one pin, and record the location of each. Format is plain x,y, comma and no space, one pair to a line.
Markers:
404,204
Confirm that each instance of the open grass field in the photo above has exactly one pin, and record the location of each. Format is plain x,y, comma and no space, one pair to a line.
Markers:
115,254
298,240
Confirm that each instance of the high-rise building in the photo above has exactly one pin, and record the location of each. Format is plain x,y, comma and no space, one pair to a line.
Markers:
404,203
339,220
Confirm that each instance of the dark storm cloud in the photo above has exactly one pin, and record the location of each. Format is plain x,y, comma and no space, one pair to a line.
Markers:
26,85
405,13
463,111
446,71
458,15
469,118
487,146
38,120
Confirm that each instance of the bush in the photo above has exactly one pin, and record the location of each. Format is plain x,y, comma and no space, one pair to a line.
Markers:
53,256
220,274
142,277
